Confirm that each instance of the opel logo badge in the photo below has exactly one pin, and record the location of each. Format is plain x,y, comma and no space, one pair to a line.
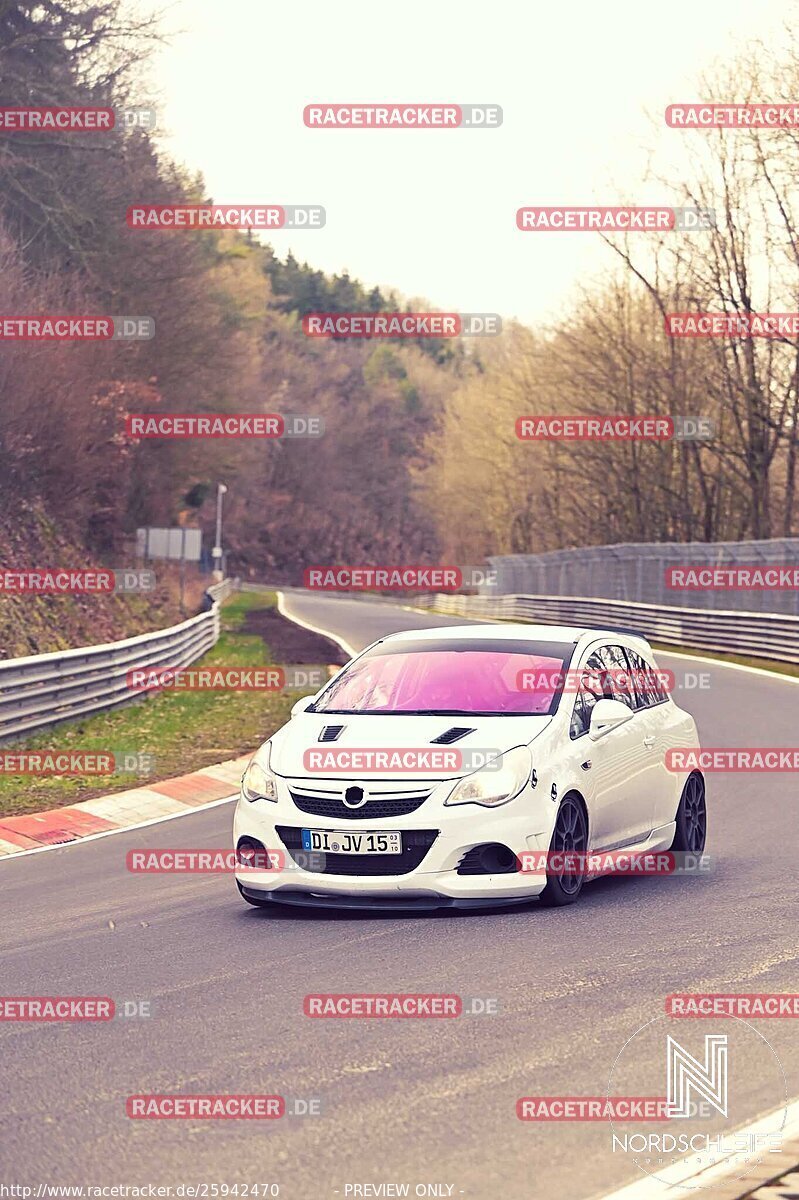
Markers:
355,796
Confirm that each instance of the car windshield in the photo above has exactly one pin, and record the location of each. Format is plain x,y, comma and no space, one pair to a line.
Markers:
472,677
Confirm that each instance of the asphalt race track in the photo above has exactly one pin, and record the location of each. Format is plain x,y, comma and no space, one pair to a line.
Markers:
415,1101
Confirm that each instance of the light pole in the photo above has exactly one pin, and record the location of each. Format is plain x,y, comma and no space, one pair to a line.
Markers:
217,550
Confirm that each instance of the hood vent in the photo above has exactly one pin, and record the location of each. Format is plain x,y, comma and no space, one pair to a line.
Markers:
331,733
452,735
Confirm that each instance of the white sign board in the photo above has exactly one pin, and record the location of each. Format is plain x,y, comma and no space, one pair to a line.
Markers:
173,543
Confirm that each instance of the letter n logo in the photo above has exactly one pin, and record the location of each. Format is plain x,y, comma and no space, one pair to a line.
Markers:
685,1074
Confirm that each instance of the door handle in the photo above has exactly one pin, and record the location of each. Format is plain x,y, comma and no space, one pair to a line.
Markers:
649,742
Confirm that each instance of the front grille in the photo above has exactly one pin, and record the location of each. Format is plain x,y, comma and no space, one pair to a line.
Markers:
415,844
381,805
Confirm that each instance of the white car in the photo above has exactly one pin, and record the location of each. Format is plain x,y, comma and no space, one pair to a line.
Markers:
423,771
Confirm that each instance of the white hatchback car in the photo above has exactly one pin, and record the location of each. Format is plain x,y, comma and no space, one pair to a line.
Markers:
420,774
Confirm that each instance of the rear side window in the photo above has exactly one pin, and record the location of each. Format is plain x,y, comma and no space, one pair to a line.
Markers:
649,689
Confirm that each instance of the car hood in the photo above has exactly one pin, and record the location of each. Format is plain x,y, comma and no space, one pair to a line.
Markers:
397,732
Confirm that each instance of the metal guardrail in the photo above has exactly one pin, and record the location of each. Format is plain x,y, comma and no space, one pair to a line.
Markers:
755,635
44,689
221,591
636,572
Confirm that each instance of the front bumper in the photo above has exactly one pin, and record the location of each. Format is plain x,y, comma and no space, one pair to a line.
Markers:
361,902
524,823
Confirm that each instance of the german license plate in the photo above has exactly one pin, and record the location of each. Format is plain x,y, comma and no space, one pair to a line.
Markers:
334,841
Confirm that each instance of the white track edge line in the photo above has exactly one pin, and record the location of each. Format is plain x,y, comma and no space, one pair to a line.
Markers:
332,637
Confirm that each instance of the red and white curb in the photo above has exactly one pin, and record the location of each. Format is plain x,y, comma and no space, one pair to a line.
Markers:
122,810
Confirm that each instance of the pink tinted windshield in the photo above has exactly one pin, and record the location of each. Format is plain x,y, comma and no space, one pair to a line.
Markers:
466,681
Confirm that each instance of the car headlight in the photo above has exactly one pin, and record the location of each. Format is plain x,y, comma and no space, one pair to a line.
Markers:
258,782
497,782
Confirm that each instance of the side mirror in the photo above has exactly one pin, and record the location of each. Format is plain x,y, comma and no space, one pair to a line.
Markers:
607,715
302,705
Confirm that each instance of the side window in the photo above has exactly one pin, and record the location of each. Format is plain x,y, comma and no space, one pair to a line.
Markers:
590,690
606,675
648,688
617,677
661,688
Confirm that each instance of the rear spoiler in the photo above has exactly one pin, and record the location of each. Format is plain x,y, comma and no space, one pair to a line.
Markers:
626,631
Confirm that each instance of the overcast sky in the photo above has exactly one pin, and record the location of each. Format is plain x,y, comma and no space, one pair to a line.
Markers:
432,213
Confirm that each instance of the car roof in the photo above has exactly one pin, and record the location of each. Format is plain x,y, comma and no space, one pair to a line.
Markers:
507,631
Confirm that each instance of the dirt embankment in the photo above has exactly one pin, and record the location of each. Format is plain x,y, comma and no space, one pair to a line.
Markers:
30,624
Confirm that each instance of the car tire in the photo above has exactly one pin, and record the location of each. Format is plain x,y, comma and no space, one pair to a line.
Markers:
249,900
691,820
570,833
